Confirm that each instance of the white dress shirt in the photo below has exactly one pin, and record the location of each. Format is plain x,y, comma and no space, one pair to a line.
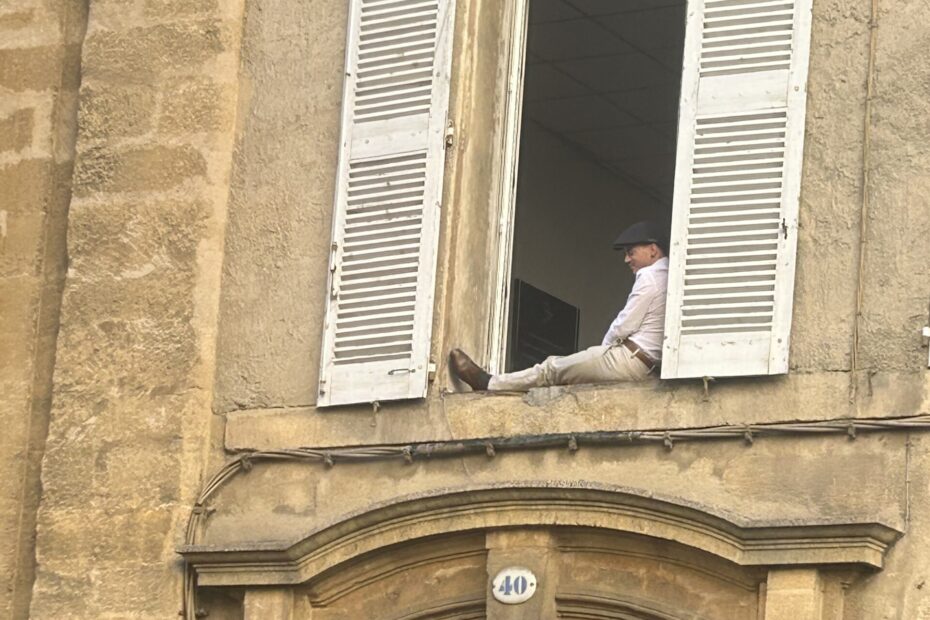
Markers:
642,319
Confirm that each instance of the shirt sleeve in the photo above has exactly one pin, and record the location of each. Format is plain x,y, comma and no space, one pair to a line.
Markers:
633,313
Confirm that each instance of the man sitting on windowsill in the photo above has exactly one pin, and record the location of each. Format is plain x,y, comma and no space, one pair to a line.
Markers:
631,348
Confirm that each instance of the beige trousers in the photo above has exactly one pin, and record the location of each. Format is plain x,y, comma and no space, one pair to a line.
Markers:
593,365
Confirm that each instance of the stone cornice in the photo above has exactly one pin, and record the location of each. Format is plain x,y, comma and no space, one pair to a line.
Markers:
439,512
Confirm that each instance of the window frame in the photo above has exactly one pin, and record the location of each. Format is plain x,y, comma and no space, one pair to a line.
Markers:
500,294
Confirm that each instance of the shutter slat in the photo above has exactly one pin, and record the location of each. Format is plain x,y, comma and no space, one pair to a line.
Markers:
730,328
360,227
742,48
735,256
745,9
754,165
726,299
384,209
749,214
363,283
736,188
365,299
394,268
412,246
392,40
375,316
748,55
696,309
374,355
766,259
383,230
349,310
374,333
366,292
731,288
397,8
730,223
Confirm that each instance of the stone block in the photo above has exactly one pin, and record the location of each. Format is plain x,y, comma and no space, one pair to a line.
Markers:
268,603
128,241
151,526
17,19
134,336
195,107
112,112
178,8
145,54
138,476
16,130
18,298
794,595
24,467
21,244
13,444
57,594
130,300
40,68
26,184
135,581
9,530
148,590
143,168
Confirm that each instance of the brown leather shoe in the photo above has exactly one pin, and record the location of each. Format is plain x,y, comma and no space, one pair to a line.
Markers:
465,369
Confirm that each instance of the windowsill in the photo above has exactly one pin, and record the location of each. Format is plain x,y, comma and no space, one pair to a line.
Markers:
650,405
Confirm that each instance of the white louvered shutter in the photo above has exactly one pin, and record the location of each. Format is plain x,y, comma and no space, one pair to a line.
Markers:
737,183
388,192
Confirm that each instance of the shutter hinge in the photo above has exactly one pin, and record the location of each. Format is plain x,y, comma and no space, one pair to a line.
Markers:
450,134
431,371
334,249
784,228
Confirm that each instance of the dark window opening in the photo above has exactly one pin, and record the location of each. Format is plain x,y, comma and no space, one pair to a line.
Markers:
597,149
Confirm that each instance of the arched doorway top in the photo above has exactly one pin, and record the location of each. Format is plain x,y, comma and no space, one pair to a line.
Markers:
476,508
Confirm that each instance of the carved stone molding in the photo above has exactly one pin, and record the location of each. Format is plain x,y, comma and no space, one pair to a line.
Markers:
745,543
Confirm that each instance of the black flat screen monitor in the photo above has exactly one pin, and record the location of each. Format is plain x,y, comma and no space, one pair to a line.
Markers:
541,325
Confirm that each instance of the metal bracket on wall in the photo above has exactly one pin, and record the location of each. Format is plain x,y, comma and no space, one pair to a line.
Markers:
926,333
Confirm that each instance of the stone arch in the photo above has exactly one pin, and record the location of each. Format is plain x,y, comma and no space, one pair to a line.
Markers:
428,531
445,511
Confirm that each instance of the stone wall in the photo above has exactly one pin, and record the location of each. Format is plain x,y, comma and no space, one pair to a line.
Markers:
131,429
182,333
40,46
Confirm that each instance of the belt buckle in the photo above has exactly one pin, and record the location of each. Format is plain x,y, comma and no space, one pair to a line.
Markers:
639,354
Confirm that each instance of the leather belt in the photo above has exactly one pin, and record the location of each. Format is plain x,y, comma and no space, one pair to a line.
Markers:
639,354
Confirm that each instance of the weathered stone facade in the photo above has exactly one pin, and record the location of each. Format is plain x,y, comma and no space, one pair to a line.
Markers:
166,179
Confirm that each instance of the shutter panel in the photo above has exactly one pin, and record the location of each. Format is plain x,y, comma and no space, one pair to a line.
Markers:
737,184
388,192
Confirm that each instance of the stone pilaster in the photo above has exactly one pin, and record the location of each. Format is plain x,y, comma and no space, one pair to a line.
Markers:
40,43
131,426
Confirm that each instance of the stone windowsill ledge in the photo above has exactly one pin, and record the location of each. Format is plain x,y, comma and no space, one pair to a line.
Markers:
651,405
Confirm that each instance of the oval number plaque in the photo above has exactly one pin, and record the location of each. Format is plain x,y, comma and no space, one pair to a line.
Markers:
514,585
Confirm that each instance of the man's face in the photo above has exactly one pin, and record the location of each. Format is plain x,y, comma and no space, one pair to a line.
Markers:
642,255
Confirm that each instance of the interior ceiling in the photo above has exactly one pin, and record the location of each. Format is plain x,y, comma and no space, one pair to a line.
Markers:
604,75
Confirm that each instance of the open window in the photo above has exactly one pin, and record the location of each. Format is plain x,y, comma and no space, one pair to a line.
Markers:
631,109
688,111
596,154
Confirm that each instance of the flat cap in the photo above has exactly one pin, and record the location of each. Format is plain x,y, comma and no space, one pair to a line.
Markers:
642,232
